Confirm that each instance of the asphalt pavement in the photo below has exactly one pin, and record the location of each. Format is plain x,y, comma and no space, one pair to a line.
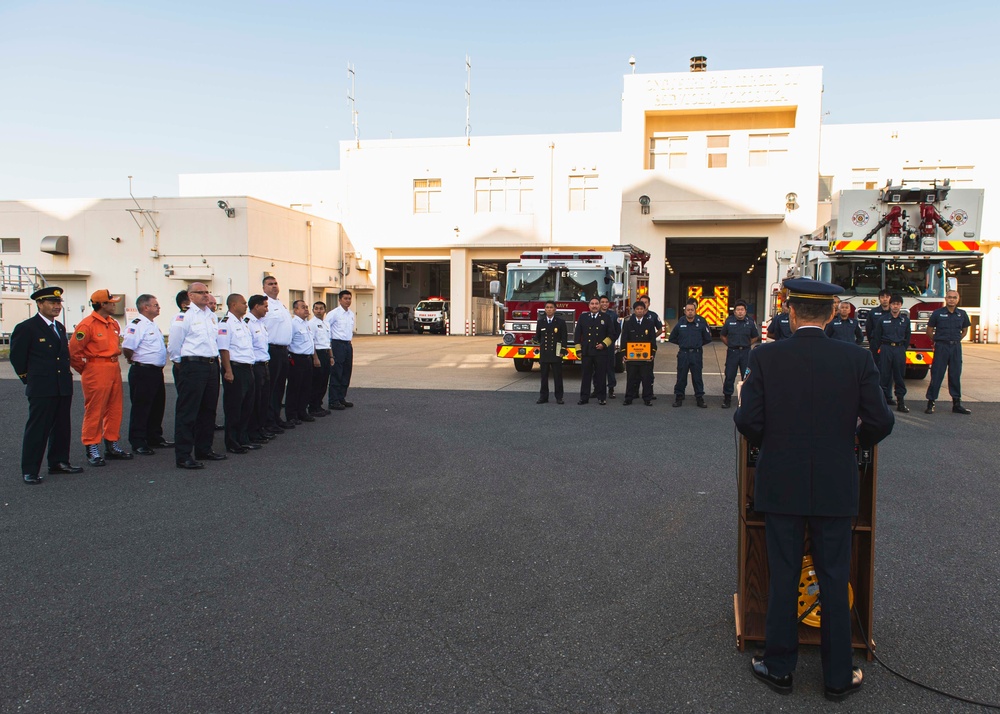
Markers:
463,550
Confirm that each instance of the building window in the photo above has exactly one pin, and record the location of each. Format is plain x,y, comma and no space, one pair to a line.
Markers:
767,149
582,192
957,174
668,152
718,151
508,194
864,178
426,195
294,295
10,245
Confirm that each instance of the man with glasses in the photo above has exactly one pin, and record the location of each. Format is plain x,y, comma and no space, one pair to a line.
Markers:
147,354
278,323
94,354
341,322
39,355
947,326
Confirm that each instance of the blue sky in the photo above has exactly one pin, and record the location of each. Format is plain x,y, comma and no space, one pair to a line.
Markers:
91,92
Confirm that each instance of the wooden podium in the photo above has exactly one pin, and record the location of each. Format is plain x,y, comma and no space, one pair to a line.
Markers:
750,600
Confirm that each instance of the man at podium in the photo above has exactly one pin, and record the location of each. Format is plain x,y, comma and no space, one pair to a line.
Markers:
801,403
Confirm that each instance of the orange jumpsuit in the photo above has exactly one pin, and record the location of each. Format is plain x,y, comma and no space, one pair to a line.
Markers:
93,352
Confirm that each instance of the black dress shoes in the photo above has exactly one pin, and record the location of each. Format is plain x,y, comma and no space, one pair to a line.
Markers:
346,403
542,401
235,450
836,695
307,418
161,444
33,479
611,394
782,685
602,402
559,401
583,401
190,464
338,407
220,427
251,446
626,402
648,402
64,468
286,425
211,456
143,451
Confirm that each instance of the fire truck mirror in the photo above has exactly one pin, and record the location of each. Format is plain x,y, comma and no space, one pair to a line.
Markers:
618,290
494,287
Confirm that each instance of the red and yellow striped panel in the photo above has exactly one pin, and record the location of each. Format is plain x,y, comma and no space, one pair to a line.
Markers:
712,310
694,291
530,352
856,245
919,357
958,245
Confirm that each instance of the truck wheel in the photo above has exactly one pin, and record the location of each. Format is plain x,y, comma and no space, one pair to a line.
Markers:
523,365
917,372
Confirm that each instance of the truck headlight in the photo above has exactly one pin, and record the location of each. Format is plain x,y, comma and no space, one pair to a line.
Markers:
508,338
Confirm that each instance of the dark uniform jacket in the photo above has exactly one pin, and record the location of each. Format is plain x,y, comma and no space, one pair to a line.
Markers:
591,331
41,359
548,336
848,330
948,326
635,331
616,323
780,327
891,329
690,335
800,403
740,333
874,314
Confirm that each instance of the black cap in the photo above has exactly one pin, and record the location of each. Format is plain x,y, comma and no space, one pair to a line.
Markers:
809,289
50,292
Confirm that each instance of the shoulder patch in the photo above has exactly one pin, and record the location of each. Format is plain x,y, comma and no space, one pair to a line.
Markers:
246,319
131,330
224,319
179,318
135,321
81,335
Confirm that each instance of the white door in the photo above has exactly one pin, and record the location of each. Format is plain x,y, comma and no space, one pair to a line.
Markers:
76,302
363,304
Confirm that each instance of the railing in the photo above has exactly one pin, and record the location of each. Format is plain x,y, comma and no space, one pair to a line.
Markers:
20,279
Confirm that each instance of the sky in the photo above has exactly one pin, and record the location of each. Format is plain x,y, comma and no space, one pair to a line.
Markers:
92,92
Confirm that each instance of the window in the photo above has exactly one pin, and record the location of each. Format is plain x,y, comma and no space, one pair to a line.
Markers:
426,195
767,149
668,152
508,194
582,192
294,295
718,151
957,174
864,178
10,245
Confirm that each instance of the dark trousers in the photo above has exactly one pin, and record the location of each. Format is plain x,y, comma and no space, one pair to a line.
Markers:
947,356
278,370
874,350
237,404
261,398
147,396
594,371
340,371
299,385
197,399
737,360
609,370
556,369
689,360
48,424
320,380
639,373
892,364
830,544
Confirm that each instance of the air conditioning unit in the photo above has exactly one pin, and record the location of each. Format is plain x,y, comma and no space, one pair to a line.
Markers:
364,265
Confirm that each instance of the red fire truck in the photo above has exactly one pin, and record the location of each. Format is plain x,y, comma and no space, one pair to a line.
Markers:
908,238
570,279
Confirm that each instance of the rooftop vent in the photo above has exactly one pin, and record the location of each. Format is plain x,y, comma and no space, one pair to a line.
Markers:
699,64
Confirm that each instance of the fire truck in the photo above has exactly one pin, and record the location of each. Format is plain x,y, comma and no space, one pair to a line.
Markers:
571,280
908,238
713,301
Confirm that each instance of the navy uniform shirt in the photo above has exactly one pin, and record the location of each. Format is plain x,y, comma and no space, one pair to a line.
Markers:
948,326
893,329
690,335
873,315
845,330
739,332
780,327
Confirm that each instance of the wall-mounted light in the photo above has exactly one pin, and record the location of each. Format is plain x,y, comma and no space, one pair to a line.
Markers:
231,212
644,204
791,199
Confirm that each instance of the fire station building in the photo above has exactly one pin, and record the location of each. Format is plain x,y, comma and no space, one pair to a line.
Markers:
715,173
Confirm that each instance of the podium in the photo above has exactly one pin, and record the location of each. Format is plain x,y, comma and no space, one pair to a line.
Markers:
750,600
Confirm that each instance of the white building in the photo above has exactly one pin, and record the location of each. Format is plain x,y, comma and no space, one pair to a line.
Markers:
716,174
160,245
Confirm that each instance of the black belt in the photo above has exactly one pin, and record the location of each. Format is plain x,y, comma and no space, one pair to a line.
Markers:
150,366
949,342
296,354
739,348
323,349
208,360
261,362
247,365
894,344
690,349
347,341
278,347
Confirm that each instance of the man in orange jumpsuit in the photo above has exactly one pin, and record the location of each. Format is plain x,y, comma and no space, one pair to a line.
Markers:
93,353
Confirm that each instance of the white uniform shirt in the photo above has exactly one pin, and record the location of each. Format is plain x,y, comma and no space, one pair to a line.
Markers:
278,322
174,350
144,338
193,334
341,323
320,332
258,333
234,336
302,341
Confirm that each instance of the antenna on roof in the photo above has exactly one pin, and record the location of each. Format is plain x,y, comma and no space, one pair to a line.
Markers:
354,105
468,100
